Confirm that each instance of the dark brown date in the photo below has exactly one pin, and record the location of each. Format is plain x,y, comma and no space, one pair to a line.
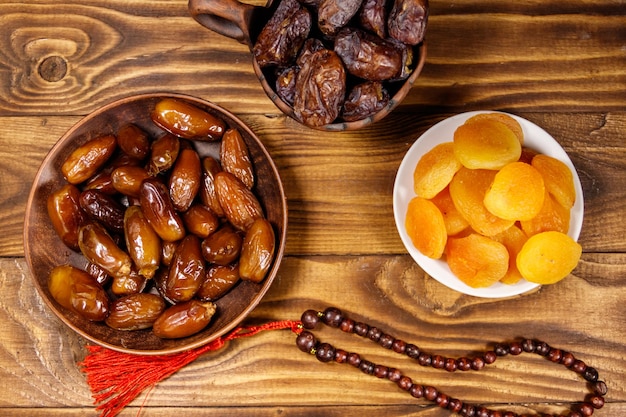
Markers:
200,220
187,121
332,15
103,208
163,153
135,311
97,245
66,214
373,17
184,319
77,291
240,205
257,251
159,210
132,283
365,100
367,56
321,89
219,280
286,84
310,46
208,195
127,179
88,158
222,247
235,158
186,271
133,141
407,21
185,177
142,242
282,36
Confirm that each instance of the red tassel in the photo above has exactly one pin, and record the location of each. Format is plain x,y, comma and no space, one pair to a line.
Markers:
117,378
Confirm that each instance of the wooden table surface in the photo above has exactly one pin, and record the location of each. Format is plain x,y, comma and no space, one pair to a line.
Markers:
561,65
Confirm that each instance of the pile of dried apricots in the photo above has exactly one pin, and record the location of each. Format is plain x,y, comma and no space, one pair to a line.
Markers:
496,210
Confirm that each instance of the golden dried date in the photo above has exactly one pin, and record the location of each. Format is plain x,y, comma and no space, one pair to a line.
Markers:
88,158
185,177
142,242
207,192
219,280
235,157
66,214
159,210
98,247
257,251
240,205
132,283
187,121
135,311
133,141
184,319
76,290
127,179
186,271
200,220
163,153
222,247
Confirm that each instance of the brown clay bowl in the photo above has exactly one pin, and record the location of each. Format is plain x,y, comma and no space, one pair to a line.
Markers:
243,23
44,249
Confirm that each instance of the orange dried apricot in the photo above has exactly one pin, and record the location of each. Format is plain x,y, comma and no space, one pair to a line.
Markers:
558,179
517,192
454,221
486,144
509,121
435,170
477,260
467,189
552,216
548,257
513,239
426,228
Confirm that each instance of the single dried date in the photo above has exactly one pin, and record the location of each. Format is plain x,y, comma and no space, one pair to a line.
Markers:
321,89
365,100
367,56
373,17
79,292
282,37
66,214
332,15
103,208
135,311
407,21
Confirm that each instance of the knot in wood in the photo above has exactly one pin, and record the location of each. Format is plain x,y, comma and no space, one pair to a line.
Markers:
53,68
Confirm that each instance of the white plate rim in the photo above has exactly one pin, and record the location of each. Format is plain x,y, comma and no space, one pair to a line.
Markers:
534,137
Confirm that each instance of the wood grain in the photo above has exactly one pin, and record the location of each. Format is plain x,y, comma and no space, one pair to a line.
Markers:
560,65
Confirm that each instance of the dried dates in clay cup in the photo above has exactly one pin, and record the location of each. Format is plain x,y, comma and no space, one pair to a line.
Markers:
284,35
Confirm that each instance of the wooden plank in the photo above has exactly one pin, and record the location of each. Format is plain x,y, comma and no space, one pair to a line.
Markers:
537,56
339,187
390,292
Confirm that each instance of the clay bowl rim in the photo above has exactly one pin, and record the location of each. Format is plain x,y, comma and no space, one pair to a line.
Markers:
78,133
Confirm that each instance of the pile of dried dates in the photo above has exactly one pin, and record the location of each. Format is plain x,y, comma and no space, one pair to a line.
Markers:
338,59
165,231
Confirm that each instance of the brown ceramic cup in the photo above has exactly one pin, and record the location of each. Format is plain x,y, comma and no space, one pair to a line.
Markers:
243,22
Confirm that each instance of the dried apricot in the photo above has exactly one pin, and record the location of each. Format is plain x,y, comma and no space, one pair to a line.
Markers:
454,221
509,121
548,257
435,170
513,239
552,216
467,189
486,144
477,260
426,228
517,192
558,179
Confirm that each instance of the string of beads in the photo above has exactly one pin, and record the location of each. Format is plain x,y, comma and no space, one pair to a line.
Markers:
325,352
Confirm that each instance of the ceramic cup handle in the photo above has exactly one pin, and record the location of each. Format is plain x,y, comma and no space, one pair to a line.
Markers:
230,18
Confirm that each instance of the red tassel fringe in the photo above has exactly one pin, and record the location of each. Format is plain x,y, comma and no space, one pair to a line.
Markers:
116,378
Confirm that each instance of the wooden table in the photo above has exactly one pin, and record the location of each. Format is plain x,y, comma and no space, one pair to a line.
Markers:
561,65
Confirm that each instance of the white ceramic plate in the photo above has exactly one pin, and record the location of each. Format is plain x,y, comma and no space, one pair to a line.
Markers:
534,137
